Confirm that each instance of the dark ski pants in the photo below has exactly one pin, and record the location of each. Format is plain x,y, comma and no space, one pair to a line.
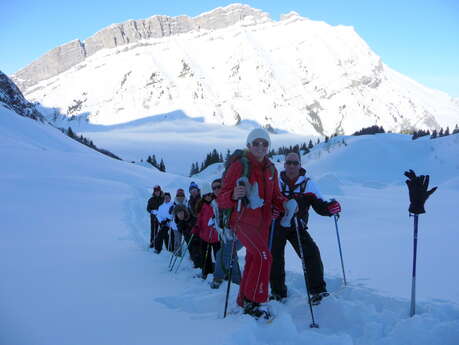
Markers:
313,261
194,248
162,237
153,229
207,264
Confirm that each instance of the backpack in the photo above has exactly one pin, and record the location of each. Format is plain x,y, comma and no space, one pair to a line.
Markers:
241,155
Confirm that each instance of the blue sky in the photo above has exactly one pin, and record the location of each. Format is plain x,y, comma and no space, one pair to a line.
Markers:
417,38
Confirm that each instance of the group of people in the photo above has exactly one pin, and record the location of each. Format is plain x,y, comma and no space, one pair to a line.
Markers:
251,206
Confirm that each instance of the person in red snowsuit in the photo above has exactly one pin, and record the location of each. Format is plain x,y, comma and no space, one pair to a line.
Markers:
252,223
206,231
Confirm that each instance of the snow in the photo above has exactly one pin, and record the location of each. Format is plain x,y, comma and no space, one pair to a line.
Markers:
76,269
176,138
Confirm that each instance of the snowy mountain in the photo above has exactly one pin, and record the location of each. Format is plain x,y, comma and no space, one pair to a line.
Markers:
233,64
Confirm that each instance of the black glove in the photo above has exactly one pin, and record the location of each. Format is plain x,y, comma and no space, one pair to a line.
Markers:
417,187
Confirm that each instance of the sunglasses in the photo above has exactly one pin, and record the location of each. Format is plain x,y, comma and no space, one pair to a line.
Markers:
260,143
292,163
216,187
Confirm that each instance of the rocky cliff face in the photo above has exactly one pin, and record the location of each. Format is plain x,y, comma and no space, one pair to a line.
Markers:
68,55
11,97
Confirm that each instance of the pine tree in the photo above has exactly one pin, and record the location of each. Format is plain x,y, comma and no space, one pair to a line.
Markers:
310,145
162,166
446,132
70,132
456,130
434,134
440,134
154,162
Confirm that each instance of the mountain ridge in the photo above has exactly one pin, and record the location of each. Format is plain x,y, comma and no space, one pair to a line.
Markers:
67,55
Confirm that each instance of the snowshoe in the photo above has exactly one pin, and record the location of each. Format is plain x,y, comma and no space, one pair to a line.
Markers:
317,297
257,311
215,284
278,298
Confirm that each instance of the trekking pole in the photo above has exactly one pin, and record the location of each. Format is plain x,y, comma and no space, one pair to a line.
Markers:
313,324
230,277
271,235
176,252
413,282
172,254
336,216
204,266
183,255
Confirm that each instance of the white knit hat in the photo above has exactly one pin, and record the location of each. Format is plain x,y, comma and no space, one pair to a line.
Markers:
258,133
206,188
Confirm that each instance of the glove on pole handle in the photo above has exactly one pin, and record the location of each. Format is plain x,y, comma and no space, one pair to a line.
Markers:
413,282
336,216
313,324
240,182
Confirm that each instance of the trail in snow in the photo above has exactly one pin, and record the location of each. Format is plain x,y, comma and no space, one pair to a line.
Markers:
351,315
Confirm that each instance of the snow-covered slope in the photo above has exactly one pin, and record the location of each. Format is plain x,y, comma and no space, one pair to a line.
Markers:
296,74
75,268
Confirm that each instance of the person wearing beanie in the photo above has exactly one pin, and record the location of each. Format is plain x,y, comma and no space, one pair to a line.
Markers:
179,204
205,230
253,184
194,247
156,199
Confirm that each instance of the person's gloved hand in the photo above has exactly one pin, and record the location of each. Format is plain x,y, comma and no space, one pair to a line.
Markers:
334,207
276,213
211,222
290,208
417,188
227,235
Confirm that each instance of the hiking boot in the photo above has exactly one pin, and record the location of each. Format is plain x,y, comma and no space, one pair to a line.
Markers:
216,283
256,310
316,298
278,298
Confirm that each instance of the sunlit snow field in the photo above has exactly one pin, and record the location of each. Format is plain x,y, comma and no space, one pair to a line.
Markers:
76,268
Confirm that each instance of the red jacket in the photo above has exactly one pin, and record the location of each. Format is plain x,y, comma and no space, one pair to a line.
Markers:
265,174
202,229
